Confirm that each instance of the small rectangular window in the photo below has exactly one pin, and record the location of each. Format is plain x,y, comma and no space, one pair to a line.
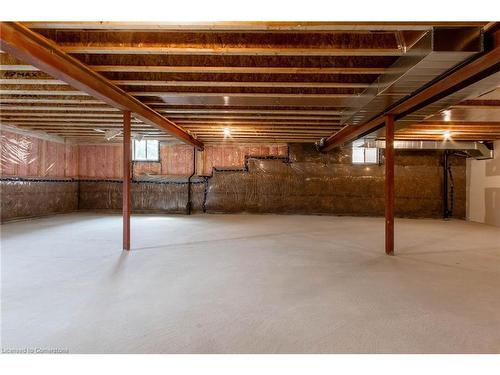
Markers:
371,155
358,155
146,150
364,155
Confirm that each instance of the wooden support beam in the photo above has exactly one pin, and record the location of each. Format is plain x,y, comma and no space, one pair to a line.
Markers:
126,179
389,184
34,49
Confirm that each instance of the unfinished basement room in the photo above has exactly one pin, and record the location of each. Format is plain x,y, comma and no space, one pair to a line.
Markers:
250,187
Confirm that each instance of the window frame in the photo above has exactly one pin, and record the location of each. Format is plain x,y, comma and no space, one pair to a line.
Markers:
157,160
355,145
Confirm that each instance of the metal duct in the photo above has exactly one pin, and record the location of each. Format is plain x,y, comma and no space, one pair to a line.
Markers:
435,53
469,92
476,150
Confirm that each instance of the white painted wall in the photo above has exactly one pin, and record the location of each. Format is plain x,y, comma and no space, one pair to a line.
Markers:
483,189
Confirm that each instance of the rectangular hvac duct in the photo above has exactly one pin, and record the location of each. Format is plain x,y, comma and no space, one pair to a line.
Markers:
435,53
476,150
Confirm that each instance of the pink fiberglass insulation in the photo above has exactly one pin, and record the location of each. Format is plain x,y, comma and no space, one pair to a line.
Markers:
29,156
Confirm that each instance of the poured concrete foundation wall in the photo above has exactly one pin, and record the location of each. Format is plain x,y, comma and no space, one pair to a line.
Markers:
34,198
36,175
305,183
314,183
164,196
297,179
33,168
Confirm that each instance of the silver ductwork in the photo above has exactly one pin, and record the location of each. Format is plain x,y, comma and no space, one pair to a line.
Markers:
476,150
468,92
433,54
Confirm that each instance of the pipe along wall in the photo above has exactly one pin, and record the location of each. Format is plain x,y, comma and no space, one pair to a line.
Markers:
293,179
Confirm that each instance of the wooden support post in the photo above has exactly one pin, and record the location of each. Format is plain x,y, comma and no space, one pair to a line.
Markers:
126,180
389,185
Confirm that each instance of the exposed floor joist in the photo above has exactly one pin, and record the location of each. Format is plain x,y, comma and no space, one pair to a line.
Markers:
248,76
31,47
261,26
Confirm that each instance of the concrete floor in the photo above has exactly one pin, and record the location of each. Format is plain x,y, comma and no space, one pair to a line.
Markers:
250,284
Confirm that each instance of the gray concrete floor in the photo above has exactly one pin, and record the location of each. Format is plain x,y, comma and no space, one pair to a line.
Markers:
250,284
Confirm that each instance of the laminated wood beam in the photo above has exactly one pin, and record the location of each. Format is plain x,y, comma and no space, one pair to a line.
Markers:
34,49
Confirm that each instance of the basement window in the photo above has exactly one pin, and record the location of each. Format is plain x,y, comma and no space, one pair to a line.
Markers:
146,150
363,155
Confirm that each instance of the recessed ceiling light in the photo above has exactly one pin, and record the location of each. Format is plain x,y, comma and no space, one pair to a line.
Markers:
227,132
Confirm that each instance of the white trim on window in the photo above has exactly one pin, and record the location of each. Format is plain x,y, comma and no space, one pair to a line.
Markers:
146,150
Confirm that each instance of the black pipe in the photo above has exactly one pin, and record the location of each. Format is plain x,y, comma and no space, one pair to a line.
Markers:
189,203
446,166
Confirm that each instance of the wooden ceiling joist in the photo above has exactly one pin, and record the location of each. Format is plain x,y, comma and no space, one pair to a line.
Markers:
253,111
154,50
58,108
48,101
42,53
65,92
211,69
266,81
259,26
229,94
236,69
64,115
194,112
31,81
18,67
43,92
